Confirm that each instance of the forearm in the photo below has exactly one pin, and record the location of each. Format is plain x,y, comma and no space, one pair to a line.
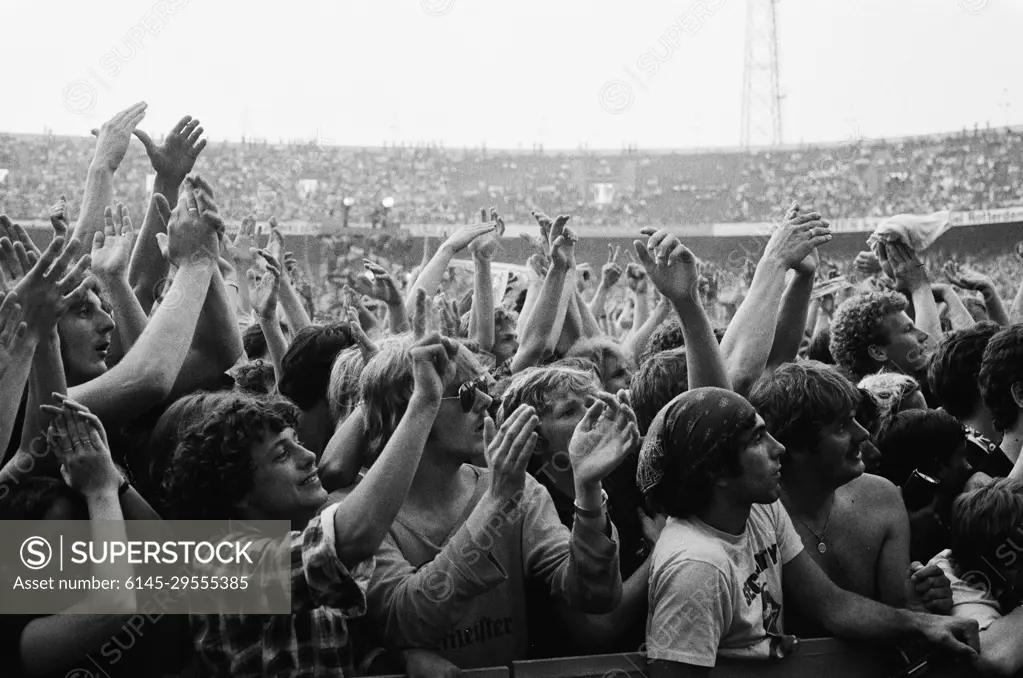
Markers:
1001,652
107,525
926,313
1016,312
848,615
364,518
131,319
342,458
543,321
791,320
532,294
397,318
588,322
47,377
482,311
958,314
216,344
638,340
642,310
598,302
276,343
995,307
429,278
148,265
749,337
703,355
291,304
12,386
98,193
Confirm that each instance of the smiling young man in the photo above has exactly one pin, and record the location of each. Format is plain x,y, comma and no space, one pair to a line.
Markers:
243,461
811,410
729,560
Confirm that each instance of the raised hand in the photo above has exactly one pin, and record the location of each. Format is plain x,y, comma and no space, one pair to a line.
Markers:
59,217
462,238
366,345
264,290
12,330
966,278
111,247
114,136
420,320
611,272
485,245
194,228
907,269
509,451
602,439
670,264
867,263
176,157
80,448
537,267
49,289
563,240
433,366
796,238
378,284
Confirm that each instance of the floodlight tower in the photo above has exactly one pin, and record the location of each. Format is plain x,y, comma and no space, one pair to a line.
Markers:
761,98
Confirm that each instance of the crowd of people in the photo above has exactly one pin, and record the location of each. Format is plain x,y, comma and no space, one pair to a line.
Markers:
598,457
318,182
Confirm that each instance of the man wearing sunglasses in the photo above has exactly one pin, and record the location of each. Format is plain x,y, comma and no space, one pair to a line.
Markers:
528,543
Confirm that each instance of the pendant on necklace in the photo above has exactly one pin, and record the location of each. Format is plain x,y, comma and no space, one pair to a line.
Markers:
822,548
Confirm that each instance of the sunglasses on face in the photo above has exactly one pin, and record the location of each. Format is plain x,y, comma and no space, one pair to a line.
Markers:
467,393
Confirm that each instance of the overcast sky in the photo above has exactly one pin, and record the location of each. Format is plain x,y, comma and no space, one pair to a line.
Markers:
508,74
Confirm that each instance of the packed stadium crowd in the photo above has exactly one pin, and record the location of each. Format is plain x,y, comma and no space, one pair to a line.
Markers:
310,181
590,457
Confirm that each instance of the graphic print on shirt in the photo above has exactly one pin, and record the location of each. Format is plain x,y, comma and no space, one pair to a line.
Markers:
756,586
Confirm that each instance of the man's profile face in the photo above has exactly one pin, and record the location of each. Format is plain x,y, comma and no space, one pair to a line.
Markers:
838,451
760,461
285,483
905,345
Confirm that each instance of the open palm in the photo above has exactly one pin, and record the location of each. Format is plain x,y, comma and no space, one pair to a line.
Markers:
602,440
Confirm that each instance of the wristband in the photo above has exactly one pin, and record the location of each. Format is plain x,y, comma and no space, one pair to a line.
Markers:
593,513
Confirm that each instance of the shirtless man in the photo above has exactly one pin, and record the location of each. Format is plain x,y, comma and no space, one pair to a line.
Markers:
853,525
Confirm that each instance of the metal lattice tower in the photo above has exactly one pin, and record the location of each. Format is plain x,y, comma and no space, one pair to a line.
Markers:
761,98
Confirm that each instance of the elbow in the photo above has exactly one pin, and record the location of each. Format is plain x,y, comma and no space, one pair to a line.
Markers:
358,541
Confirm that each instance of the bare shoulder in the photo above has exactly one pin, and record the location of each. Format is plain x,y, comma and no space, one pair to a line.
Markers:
873,491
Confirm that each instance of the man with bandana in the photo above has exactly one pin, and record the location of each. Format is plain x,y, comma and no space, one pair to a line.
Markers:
729,558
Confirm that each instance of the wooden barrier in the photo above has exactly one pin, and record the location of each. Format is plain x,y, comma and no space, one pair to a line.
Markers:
492,672
818,658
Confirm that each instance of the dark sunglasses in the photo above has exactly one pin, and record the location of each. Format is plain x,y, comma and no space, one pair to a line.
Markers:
467,393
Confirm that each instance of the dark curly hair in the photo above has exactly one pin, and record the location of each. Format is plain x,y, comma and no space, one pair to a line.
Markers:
212,467
668,336
954,367
1000,368
857,326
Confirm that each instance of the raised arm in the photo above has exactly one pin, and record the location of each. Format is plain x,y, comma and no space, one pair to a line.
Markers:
291,302
958,314
112,141
429,278
548,315
17,346
672,268
750,335
172,161
795,302
482,310
263,291
969,279
911,276
610,274
379,284
146,375
111,249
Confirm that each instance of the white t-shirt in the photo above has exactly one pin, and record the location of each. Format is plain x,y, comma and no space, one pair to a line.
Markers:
714,594
970,598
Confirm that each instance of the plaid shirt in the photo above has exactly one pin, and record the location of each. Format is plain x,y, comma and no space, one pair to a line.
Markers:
313,641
